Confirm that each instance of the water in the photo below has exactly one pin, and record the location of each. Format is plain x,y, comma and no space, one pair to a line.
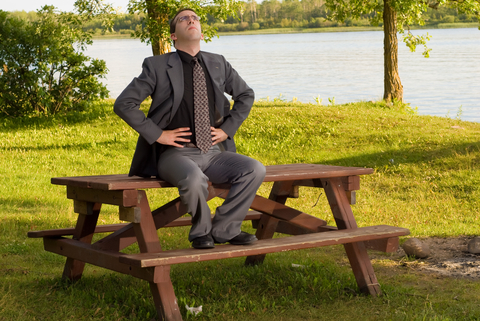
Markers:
346,66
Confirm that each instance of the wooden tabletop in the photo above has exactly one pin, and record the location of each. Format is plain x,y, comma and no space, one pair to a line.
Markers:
289,172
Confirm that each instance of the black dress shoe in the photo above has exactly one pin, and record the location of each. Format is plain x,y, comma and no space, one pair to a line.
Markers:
243,238
203,242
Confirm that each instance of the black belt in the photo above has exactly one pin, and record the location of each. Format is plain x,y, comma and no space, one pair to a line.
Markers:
190,145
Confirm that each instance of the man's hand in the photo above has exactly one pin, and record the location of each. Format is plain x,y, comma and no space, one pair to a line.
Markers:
170,137
218,135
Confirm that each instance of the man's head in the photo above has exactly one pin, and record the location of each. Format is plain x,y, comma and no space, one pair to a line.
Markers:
185,26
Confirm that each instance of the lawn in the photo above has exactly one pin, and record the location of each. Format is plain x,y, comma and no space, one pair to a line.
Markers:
427,179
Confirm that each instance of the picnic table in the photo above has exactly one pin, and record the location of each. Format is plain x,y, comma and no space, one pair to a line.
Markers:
268,215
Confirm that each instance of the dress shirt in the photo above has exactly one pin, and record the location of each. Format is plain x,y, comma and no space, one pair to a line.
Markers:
184,117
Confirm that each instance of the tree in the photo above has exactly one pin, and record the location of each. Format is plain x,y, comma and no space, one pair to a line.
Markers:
155,28
397,16
43,69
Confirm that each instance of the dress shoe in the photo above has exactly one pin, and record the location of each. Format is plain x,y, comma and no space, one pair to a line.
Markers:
243,238
203,242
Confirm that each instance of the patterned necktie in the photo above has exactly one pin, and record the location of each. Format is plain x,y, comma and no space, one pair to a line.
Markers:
200,106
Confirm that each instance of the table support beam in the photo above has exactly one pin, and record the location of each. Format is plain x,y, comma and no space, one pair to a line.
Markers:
84,231
268,224
356,252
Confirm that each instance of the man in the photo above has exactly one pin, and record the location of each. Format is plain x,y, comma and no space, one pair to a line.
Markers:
186,145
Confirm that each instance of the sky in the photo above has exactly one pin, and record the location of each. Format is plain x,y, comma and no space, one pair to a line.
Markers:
62,5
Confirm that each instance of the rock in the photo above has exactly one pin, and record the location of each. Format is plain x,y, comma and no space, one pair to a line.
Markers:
415,247
474,245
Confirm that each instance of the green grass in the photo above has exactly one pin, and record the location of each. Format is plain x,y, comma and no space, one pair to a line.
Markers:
426,178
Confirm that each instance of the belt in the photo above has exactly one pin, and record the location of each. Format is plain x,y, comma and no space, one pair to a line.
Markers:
190,145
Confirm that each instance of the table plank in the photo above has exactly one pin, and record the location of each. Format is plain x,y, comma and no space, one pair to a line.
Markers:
274,173
265,246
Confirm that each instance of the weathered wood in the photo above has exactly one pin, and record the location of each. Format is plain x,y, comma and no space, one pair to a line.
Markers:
266,228
339,183
284,212
183,221
127,198
356,252
288,172
84,231
130,214
84,252
268,224
82,207
162,290
352,197
389,245
265,246
164,296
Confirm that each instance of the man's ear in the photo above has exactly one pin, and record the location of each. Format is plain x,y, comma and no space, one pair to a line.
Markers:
173,37
201,37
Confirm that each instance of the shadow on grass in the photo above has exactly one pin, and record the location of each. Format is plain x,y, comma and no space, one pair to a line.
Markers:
407,155
224,288
97,110
22,203
75,146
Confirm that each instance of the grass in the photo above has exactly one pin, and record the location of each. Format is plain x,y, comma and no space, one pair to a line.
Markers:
426,178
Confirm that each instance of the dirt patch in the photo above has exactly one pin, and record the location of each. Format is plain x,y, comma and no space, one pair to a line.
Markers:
448,257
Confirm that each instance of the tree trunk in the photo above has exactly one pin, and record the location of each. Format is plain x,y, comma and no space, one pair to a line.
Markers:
159,46
393,89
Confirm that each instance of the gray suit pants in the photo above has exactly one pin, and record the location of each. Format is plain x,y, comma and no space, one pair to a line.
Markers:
190,170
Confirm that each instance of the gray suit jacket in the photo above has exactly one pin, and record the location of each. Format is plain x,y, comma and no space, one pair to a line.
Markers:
162,79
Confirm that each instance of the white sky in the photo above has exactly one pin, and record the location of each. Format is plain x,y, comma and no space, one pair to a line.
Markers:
62,5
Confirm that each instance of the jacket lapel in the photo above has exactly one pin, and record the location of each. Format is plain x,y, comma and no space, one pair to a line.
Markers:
214,69
175,73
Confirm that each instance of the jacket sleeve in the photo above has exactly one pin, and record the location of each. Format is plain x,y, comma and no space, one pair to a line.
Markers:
127,105
242,96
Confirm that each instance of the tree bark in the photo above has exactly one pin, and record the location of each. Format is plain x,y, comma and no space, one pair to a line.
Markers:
159,46
393,89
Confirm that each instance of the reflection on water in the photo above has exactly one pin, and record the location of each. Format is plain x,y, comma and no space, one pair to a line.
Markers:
347,66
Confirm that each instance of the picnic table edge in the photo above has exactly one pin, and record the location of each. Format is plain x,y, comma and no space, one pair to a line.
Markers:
274,173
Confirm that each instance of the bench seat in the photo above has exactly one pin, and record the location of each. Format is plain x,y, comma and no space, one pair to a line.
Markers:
264,246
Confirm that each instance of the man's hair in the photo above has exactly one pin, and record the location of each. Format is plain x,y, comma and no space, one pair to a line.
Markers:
173,21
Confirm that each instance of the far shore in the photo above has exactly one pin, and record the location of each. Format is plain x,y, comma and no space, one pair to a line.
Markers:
314,30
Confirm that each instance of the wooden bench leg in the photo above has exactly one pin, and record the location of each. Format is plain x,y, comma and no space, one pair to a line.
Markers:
164,295
265,230
148,242
267,225
356,252
84,231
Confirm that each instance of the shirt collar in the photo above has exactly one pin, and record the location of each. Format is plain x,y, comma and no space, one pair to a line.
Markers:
187,58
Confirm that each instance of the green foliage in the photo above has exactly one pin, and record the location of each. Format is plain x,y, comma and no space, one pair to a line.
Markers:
43,69
155,27
408,12
263,18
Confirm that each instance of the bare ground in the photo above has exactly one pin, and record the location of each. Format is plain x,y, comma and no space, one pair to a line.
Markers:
448,257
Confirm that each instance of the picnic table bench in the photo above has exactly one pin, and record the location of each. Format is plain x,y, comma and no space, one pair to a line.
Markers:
268,215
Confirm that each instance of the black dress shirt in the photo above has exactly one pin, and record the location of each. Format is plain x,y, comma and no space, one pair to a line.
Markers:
184,117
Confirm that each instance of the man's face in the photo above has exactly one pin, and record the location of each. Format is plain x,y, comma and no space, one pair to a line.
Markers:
187,29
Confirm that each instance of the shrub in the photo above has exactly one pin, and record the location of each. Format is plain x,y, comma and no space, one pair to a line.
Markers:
242,26
43,69
448,19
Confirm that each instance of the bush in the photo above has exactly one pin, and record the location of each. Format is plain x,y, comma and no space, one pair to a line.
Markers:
43,69
448,19
242,26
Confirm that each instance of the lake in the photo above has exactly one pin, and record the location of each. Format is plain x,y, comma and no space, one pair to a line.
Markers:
344,66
